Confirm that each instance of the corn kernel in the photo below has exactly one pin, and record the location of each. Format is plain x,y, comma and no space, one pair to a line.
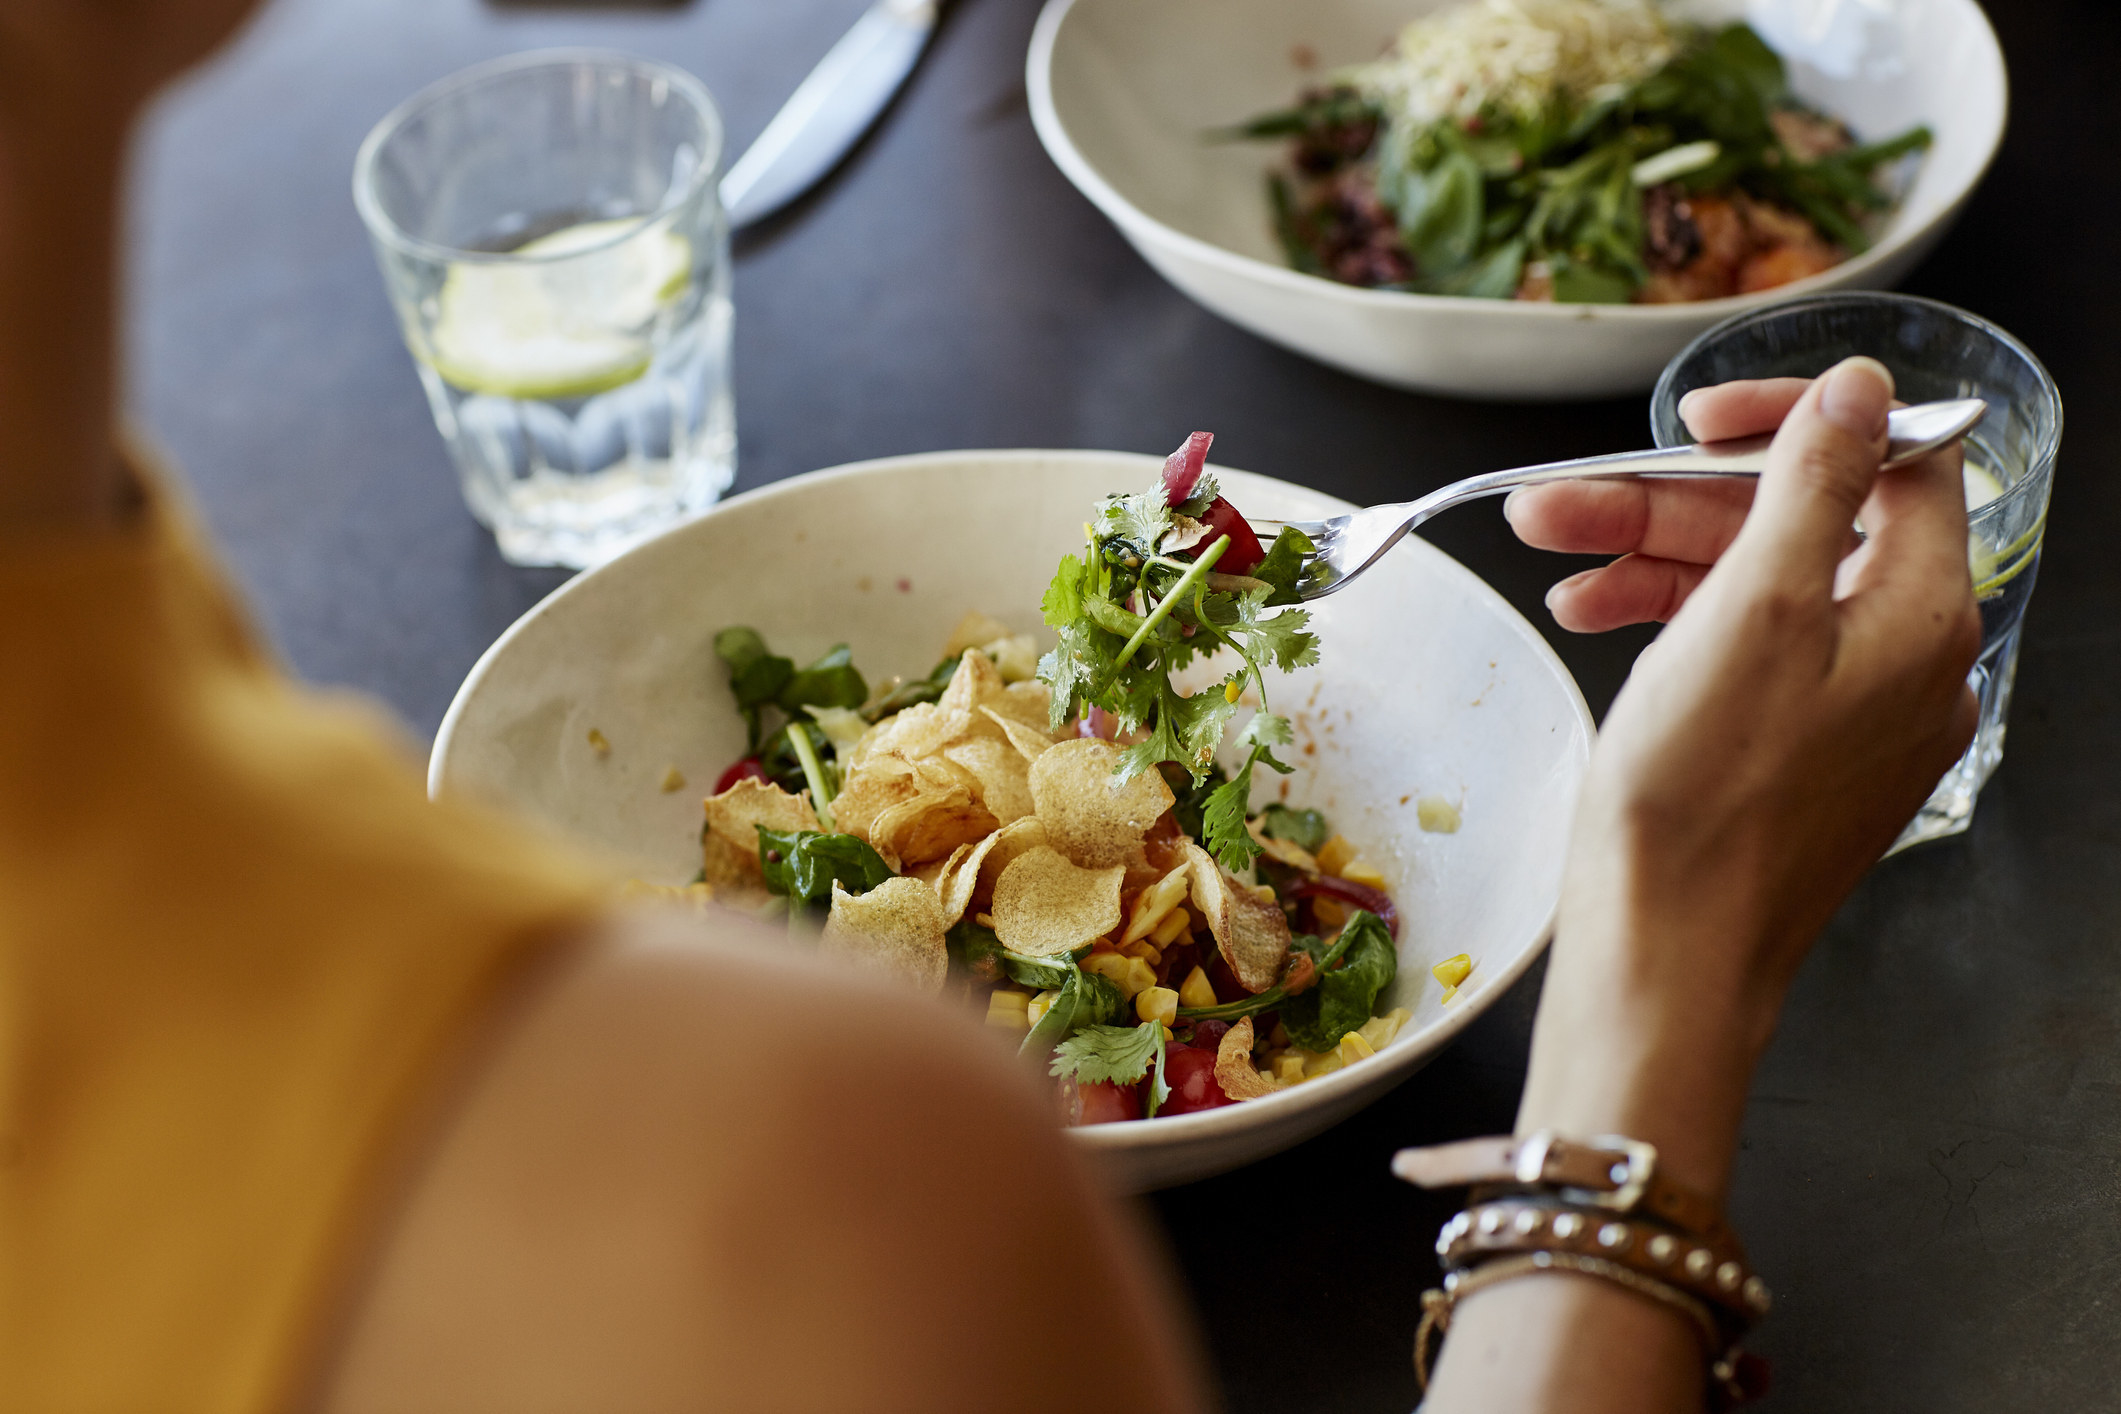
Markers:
1362,871
1289,1069
599,743
1144,949
1264,893
1354,1048
1008,997
985,920
1453,971
1041,1004
1266,1078
1379,1030
1009,1011
1437,815
1196,990
1323,1063
1177,923
1328,912
1154,903
1335,854
1233,690
673,779
1130,974
1156,1004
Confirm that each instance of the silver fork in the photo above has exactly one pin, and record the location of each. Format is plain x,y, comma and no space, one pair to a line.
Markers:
1347,545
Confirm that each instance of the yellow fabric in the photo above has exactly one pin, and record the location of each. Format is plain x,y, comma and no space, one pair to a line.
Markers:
236,944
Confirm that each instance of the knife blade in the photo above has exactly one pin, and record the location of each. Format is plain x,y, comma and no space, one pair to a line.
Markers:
830,110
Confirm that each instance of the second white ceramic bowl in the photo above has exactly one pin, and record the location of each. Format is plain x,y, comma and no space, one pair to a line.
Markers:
1124,92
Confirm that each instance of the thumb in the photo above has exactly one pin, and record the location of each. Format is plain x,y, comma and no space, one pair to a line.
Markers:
1819,472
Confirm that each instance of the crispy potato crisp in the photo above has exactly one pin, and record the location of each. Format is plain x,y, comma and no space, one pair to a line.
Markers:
1233,1065
974,630
1002,776
959,880
896,927
1031,742
1044,905
730,855
1089,819
1011,840
1251,934
929,826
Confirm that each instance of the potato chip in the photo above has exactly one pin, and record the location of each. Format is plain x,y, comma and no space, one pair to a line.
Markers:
929,826
1251,934
974,630
1011,840
1044,905
932,872
1015,657
1087,817
730,853
921,730
869,790
1233,1065
1026,702
975,683
1030,742
1002,775
1154,904
959,878
896,927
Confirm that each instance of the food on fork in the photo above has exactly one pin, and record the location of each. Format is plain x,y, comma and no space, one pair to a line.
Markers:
1054,840
1583,151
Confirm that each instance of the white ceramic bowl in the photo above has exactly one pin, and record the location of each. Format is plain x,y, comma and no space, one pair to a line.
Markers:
1122,92
1430,685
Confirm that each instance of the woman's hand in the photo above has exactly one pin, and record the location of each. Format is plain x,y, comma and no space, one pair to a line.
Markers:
1763,755
1800,707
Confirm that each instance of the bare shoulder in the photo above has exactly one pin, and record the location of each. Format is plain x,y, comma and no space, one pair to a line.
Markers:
713,1170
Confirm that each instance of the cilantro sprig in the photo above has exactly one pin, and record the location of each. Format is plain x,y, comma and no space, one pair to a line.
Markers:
1115,1055
1144,601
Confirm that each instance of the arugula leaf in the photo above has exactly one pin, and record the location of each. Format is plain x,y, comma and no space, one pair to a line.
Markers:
756,676
1283,567
977,952
1443,209
1108,1055
831,681
1361,964
804,865
907,694
1306,829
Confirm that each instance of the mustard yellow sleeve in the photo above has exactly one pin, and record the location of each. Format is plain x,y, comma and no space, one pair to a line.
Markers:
236,945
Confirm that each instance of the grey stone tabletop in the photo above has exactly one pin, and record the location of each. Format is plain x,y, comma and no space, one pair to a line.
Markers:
1932,1166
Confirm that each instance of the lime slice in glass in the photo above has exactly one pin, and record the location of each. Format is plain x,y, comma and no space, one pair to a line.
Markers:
555,326
1981,485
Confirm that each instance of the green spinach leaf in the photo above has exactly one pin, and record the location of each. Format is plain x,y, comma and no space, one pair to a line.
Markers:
1348,984
804,865
1306,829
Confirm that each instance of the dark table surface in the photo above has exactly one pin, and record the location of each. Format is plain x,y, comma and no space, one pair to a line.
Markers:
1932,1167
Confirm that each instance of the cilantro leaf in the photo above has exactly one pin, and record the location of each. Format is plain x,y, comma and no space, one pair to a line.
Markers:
1085,999
1276,638
1223,823
1136,521
1108,1055
1283,567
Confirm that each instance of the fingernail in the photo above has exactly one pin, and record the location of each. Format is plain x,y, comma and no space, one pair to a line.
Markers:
1856,396
1687,401
1509,504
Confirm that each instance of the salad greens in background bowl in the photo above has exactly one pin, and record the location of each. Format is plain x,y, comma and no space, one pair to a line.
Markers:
1443,222
1432,705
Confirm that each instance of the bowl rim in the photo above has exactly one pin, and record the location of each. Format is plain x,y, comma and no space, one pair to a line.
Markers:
1398,1062
1137,223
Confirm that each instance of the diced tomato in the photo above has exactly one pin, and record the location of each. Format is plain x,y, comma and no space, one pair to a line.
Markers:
1245,552
1190,1073
1098,1104
747,769
1182,468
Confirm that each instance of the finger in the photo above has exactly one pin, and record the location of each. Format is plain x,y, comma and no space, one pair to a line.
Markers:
1671,520
1635,589
1915,519
1742,409
1820,471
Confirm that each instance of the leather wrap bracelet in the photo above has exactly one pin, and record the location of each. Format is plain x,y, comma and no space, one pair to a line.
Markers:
1598,1209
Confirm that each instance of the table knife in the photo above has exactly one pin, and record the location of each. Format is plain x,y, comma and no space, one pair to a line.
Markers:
830,110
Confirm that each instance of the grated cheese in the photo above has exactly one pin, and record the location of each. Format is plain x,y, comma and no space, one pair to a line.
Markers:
1516,56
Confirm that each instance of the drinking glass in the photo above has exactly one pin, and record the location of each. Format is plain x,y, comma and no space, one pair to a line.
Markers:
1935,352
552,239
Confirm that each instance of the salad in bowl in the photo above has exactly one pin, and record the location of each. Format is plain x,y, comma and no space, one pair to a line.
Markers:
1055,838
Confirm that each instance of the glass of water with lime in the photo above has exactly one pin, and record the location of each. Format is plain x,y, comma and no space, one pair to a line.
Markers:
552,239
1935,352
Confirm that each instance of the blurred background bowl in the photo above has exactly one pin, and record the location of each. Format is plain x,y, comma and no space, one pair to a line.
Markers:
1123,93
1430,685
